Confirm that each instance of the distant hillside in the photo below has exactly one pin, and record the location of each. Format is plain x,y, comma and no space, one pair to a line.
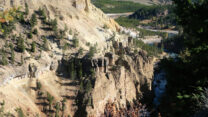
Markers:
123,6
148,2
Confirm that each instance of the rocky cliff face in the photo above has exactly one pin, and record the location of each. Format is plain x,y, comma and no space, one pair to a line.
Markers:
121,79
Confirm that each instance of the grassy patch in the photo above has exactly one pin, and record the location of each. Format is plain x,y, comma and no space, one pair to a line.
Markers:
126,22
111,6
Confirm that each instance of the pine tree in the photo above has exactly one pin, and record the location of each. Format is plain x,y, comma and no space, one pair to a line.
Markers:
38,85
33,47
50,99
45,44
57,107
92,51
54,25
33,20
72,71
22,60
20,44
12,53
4,60
26,9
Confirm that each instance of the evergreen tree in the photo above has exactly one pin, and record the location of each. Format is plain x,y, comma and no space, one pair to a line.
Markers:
72,71
26,9
20,44
22,60
57,107
4,60
54,24
12,53
45,44
33,47
38,85
50,99
33,20
92,51
63,106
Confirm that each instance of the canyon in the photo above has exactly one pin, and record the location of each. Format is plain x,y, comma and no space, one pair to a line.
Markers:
119,71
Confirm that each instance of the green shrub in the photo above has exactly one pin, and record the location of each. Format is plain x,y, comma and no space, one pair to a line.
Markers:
35,31
29,35
20,112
